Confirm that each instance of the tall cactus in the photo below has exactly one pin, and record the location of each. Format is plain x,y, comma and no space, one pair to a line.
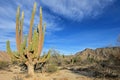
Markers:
29,48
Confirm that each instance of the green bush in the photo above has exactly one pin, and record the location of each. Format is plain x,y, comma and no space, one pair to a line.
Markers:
90,59
51,68
77,59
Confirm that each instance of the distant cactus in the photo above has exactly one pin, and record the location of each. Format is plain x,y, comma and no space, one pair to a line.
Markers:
8,47
29,48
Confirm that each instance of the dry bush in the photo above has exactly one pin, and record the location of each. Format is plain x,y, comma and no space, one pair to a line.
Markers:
56,58
51,68
3,64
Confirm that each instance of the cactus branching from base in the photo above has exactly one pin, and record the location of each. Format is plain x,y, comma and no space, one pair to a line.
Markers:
29,48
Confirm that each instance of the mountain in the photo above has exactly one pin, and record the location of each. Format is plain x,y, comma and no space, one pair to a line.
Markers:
99,53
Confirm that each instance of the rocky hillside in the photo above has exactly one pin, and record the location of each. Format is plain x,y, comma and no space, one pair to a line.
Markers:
99,53
4,56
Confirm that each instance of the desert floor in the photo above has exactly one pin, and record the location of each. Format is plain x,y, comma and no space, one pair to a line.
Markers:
59,75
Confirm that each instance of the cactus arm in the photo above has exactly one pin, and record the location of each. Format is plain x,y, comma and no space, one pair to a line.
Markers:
9,51
45,57
35,43
41,40
8,48
43,33
22,48
31,25
17,29
40,43
21,27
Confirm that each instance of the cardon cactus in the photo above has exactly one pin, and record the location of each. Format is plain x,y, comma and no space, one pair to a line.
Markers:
29,48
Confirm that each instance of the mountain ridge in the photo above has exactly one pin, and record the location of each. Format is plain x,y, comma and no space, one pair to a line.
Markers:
99,53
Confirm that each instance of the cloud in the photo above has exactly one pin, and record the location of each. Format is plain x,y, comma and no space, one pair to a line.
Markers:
71,9
77,9
8,19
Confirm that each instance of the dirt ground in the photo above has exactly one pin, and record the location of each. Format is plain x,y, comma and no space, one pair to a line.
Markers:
59,75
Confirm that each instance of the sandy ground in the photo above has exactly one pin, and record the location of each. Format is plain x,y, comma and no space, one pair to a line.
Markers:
59,75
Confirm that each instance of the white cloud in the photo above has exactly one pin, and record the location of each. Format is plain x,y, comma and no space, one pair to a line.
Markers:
77,9
8,18
71,9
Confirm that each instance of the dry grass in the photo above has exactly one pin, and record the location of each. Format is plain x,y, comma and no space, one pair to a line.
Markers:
18,77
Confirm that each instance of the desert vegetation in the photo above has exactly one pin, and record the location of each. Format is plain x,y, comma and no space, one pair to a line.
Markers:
98,64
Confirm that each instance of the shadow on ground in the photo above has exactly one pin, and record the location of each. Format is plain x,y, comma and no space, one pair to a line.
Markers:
99,71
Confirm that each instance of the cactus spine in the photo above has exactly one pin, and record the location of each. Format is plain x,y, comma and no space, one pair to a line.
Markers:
29,48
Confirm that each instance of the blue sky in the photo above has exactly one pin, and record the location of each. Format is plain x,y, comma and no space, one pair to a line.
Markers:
72,25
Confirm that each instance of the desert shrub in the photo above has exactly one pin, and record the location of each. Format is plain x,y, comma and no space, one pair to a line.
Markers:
3,64
51,68
77,59
55,58
66,62
114,60
91,59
